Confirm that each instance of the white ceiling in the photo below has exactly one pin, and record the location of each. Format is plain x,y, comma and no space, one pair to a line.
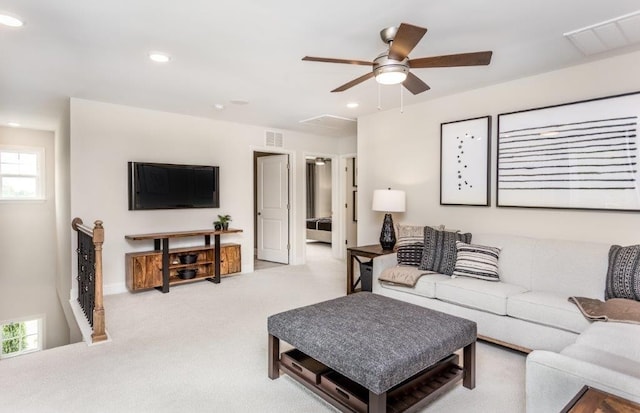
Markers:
251,50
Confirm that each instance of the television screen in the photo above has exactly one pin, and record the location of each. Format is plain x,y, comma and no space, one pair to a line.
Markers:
168,186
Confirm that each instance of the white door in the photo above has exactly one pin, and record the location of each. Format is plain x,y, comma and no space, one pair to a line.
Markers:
273,208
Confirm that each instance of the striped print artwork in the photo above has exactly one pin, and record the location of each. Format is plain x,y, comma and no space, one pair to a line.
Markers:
577,155
476,261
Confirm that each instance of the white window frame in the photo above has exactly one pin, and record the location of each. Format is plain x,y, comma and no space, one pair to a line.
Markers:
40,172
40,320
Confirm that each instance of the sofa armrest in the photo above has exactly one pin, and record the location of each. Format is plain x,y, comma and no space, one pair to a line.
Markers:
553,379
380,264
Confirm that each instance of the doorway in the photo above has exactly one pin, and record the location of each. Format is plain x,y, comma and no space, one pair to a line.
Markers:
271,206
319,223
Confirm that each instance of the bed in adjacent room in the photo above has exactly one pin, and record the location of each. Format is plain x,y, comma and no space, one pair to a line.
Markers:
319,229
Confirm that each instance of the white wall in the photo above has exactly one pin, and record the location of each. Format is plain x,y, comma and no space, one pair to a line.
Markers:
28,248
63,222
105,136
401,150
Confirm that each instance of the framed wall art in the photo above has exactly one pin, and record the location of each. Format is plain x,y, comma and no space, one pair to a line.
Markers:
355,206
354,171
465,151
579,155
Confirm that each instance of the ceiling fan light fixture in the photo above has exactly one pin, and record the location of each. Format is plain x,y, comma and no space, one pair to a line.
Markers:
389,71
391,77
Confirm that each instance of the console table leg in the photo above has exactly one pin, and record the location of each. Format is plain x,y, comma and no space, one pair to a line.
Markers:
377,402
216,253
274,357
469,360
165,265
350,257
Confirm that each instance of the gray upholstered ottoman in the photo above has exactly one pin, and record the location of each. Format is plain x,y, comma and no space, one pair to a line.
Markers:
401,354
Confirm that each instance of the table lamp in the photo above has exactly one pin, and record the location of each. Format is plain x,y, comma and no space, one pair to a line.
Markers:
387,201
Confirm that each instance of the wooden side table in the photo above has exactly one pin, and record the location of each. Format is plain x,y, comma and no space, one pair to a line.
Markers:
367,251
590,400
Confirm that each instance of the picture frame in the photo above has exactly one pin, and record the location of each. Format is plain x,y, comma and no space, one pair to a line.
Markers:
355,205
465,162
576,155
354,172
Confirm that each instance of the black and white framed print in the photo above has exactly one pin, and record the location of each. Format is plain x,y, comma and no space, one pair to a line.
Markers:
579,155
465,151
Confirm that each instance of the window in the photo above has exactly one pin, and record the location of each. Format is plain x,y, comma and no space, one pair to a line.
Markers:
21,173
20,337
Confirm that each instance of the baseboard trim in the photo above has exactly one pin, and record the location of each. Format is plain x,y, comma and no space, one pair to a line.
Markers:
505,344
115,288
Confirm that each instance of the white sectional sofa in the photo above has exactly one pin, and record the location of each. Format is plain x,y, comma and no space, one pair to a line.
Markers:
528,309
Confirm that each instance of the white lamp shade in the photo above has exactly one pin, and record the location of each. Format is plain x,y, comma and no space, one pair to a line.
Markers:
388,200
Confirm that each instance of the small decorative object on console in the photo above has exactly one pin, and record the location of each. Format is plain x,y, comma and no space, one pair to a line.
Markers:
222,223
188,258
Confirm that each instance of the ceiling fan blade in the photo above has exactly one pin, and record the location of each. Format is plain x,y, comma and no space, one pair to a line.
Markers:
353,82
414,84
405,40
331,60
462,59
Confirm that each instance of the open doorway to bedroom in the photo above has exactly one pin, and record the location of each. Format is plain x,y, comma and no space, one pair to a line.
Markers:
319,215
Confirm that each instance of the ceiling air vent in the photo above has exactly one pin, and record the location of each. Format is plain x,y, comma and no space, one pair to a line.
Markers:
274,139
608,35
332,125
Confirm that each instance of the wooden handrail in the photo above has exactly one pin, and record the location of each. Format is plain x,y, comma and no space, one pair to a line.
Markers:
97,236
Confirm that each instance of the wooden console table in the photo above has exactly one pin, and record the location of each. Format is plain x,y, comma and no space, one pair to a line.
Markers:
161,243
367,251
589,400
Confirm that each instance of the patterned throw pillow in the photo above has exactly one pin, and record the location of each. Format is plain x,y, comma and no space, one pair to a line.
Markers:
410,244
623,275
476,261
439,253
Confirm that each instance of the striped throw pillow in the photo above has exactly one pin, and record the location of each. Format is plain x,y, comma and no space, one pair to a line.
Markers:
410,243
439,252
476,261
623,275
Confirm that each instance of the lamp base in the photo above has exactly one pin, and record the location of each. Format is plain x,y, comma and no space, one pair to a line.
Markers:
387,234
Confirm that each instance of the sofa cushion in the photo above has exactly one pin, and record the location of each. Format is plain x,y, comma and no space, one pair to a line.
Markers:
425,287
476,261
479,294
604,358
440,250
623,274
573,268
516,258
617,338
548,309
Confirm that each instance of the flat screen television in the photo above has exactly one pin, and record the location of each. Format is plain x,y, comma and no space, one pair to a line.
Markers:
169,186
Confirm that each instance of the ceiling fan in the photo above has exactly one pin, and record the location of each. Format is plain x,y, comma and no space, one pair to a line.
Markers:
393,66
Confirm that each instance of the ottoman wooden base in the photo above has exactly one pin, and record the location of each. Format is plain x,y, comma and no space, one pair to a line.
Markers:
409,396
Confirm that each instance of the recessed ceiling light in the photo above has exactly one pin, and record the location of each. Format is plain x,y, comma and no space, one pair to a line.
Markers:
352,105
240,102
159,57
218,106
10,21
14,124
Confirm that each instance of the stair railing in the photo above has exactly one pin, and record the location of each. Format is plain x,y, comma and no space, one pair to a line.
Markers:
89,277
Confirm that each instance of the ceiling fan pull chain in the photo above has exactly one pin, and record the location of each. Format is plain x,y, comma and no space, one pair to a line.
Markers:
379,105
401,99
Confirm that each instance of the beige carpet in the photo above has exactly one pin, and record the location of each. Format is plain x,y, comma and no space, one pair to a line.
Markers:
203,348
